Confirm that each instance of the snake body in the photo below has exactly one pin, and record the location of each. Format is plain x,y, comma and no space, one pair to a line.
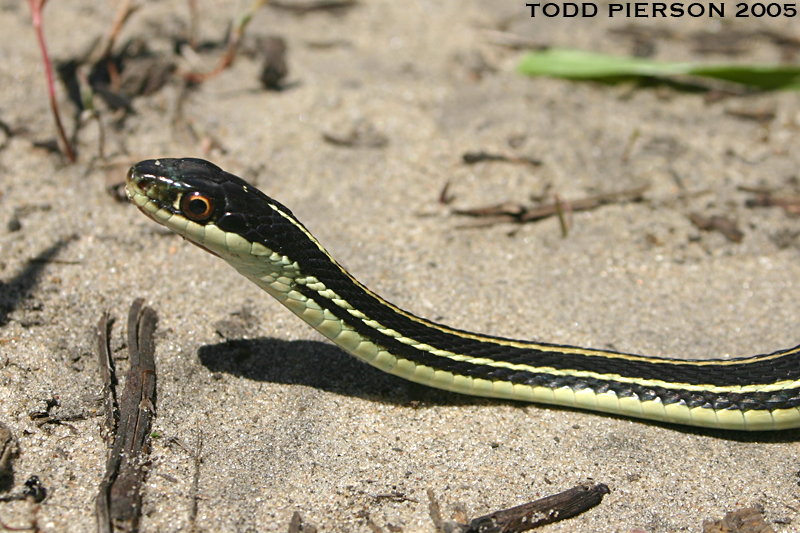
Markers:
263,241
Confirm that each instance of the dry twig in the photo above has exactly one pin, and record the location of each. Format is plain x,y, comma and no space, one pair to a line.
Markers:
527,516
514,212
470,158
767,198
119,502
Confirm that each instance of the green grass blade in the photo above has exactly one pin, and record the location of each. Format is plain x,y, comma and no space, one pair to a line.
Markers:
579,65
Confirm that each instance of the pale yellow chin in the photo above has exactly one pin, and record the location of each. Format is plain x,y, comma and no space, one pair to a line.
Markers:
208,237
147,206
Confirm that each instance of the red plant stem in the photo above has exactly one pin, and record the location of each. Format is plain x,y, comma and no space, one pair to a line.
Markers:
233,44
36,15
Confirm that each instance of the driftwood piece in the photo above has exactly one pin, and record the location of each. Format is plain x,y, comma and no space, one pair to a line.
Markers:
514,212
119,501
529,515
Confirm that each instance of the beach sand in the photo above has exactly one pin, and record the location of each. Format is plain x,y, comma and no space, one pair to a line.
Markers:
274,419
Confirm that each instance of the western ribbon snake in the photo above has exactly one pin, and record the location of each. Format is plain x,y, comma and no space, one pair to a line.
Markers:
263,240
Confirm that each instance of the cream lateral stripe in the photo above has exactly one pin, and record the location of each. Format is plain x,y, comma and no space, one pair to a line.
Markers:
331,295
340,333
768,387
763,387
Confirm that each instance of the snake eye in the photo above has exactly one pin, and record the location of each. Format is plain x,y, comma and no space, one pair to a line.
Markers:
197,206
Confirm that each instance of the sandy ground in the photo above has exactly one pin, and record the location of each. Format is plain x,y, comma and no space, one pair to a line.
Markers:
282,420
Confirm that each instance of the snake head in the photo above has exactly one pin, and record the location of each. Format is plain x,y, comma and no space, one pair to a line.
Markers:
211,208
166,188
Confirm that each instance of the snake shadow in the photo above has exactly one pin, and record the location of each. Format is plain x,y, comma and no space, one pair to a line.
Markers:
321,366
324,366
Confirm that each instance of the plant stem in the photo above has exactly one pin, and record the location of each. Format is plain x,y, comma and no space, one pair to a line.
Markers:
36,16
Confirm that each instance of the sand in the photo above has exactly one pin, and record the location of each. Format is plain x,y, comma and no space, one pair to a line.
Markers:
280,419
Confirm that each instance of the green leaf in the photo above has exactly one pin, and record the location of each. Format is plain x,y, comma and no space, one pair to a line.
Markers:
579,65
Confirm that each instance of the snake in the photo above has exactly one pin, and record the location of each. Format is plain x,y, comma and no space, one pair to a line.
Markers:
261,238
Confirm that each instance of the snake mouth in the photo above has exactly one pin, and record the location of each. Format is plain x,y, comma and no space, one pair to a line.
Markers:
144,194
155,186
148,187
